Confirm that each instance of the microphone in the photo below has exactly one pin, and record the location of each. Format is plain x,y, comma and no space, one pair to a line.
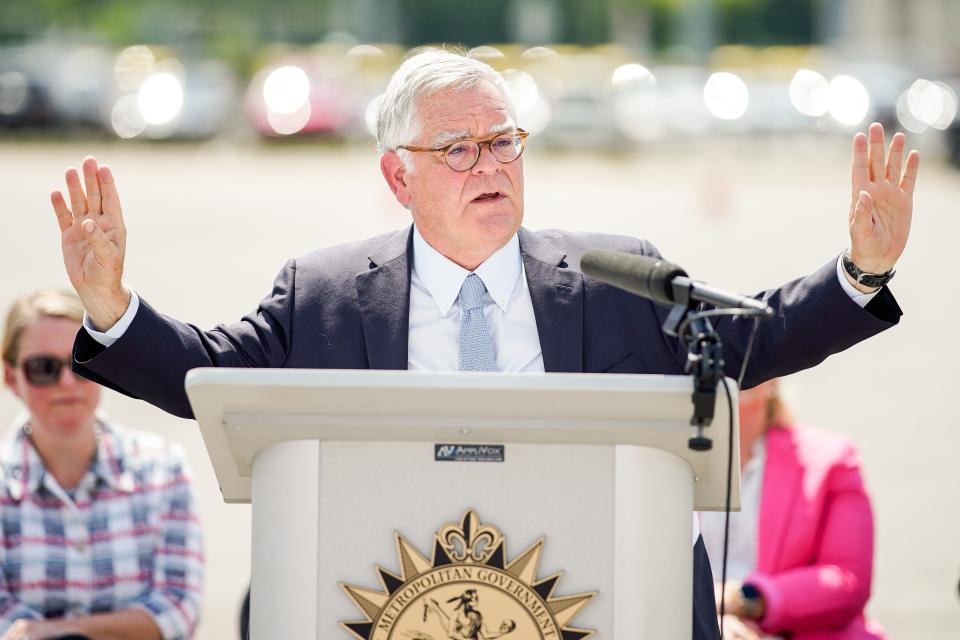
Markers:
659,280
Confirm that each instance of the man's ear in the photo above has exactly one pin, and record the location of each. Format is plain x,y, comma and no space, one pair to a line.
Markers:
395,173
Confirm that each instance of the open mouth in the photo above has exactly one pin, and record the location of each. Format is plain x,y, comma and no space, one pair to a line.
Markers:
492,196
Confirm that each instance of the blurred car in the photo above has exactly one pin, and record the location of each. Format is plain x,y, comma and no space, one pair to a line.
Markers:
23,99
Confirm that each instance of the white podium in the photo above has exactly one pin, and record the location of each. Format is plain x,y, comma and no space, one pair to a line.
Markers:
338,462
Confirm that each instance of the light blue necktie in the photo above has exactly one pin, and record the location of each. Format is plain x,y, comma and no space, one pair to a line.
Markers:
476,346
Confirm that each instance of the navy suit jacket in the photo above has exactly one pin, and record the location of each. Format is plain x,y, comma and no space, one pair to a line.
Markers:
347,307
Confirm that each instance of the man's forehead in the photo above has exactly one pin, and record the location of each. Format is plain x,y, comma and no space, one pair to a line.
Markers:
455,113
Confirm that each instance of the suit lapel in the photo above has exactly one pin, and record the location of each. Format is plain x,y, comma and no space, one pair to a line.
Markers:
557,296
384,299
781,481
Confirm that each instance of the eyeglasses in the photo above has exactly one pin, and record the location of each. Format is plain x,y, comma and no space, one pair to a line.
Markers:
464,154
44,371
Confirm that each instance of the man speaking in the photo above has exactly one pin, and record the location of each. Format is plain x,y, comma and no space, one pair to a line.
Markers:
466,287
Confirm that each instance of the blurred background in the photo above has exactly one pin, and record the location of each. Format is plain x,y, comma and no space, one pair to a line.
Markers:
239,133
618,74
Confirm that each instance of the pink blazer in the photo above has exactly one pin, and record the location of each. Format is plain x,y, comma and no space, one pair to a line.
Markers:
815,549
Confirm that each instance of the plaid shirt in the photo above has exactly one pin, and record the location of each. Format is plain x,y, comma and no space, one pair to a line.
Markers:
127,537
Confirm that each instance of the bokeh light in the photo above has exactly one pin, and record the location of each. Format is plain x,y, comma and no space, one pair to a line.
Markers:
849,101
810,93
950,104
487,53
366,51
726,95
538,53
907,120
286,90
133,66
523,89
285,124
536,119
160,98
126,118
533,111
635,103
925,101
632,77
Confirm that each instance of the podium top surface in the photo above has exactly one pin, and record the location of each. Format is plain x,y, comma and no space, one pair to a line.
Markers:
242,411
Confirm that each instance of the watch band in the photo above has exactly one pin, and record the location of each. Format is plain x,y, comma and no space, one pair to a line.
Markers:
876,280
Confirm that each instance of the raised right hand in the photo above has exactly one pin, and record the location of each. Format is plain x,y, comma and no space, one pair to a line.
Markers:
94,240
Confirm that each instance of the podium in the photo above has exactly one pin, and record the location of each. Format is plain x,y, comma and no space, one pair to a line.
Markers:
370,490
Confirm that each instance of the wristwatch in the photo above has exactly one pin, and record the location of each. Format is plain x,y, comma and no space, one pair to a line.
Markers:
866,279
754,605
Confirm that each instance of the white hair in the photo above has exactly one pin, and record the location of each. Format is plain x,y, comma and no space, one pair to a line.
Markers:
419,76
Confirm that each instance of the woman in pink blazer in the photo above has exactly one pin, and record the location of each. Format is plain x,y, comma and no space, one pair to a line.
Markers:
801,551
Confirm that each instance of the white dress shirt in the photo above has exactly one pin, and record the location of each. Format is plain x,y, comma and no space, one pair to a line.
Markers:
434,334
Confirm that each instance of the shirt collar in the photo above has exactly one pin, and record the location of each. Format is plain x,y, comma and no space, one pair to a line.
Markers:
23,470
443,278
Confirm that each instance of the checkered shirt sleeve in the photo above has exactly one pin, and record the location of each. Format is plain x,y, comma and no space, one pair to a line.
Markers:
127,537
177,574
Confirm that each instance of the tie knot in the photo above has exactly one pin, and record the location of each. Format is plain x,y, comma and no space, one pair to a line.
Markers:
471,293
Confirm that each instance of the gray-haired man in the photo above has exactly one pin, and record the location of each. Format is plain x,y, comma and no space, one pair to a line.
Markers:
466,287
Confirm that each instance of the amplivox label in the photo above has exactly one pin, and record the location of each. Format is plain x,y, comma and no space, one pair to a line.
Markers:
469,452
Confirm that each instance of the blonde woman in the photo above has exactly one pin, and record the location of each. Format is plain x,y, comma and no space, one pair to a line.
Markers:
99,537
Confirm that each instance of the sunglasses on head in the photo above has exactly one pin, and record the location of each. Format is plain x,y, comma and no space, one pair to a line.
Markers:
44,371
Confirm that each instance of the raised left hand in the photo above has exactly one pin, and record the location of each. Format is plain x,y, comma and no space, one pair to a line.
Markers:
882,205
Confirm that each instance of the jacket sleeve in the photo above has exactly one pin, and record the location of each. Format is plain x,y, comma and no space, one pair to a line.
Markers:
832,591
153,356
813,318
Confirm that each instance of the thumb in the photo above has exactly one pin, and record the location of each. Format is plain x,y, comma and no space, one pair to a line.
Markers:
861,222
102,247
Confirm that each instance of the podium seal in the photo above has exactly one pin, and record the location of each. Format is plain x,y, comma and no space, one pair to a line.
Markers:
467,591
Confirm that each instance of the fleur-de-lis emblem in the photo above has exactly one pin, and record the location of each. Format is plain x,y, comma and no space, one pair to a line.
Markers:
470,541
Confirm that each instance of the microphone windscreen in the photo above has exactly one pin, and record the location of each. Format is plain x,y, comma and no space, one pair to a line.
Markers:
644,276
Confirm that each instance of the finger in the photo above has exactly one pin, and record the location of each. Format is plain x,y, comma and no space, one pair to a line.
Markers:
860,177
64,215
110,199
861,222
78,202
103,249
895,157
92,185
875,151
909,179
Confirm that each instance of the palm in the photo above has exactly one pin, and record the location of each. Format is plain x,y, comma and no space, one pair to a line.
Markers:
84,267
880,225
92,234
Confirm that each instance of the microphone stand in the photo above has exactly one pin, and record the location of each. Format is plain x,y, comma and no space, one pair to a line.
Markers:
704,360
704,351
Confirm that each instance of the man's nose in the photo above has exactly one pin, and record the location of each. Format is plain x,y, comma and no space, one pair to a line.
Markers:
487,163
